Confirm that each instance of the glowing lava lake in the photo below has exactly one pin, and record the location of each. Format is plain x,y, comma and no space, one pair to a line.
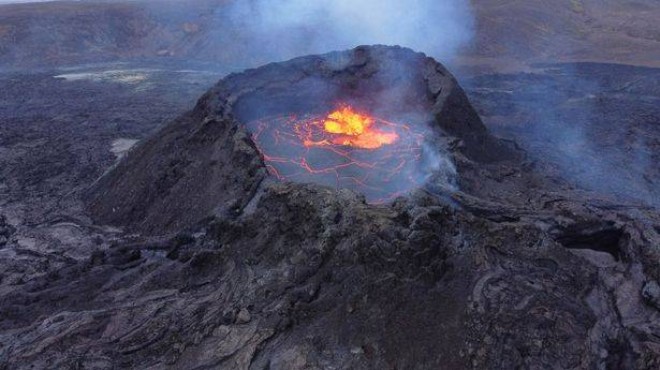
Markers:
343,148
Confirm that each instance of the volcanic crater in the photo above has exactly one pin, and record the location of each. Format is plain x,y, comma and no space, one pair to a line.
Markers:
356,121
382,121
486,261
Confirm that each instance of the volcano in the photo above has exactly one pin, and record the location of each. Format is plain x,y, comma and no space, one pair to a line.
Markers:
380,121
347,210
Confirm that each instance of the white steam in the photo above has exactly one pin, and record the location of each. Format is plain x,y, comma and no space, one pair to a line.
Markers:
288,28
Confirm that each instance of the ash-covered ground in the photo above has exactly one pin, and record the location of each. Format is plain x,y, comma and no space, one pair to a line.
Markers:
547,258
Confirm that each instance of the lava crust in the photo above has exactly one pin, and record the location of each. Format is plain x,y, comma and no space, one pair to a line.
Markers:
223,266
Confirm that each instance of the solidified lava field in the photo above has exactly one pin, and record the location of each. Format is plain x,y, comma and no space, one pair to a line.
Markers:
157,212
52,248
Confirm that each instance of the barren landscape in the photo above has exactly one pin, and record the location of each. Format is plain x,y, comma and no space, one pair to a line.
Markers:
142,225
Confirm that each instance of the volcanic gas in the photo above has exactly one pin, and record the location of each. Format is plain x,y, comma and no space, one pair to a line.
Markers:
380,121
344,148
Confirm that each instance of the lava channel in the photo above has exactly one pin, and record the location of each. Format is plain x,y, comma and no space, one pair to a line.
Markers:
343,149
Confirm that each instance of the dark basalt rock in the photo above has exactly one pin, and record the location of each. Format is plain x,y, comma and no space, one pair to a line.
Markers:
6,231
513,270
205,162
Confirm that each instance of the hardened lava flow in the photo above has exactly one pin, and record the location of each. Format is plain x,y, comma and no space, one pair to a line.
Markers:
222,266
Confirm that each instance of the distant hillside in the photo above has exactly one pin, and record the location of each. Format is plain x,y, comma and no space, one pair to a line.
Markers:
616,31
508,33
74,32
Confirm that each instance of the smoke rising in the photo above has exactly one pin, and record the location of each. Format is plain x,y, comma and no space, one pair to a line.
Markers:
569,117
577,120
268,31
282,29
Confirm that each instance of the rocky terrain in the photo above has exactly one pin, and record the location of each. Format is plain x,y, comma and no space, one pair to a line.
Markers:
595,124
512,34
509,35
520,267
140,229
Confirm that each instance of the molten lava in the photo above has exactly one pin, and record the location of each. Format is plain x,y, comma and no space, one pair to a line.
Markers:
343,148
346,121
354,129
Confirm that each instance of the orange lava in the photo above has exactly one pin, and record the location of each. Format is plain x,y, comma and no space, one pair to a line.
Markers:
350,128
344,148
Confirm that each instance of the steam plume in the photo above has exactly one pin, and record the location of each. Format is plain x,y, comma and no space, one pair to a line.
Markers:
281,29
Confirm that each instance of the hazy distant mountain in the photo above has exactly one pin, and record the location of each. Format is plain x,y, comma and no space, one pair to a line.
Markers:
510,31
